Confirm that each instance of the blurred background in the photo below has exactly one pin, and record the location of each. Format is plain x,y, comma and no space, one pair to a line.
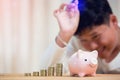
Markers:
27,27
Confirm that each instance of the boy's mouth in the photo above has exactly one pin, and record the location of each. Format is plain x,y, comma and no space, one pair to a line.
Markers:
101,52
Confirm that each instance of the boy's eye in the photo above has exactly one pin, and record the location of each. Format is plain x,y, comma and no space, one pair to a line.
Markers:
95,37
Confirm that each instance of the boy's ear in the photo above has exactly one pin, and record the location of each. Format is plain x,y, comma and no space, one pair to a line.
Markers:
113,20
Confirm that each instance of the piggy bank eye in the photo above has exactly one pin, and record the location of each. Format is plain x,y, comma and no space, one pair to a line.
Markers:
85,59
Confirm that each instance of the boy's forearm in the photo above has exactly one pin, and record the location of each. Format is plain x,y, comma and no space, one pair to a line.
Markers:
62,40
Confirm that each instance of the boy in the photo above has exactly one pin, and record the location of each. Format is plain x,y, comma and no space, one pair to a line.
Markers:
88,25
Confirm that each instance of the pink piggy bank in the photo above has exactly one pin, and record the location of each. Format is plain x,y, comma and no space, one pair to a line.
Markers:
83,63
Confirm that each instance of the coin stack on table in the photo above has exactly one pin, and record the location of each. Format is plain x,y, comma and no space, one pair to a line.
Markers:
59,69
27,74
35,73
50,71
43,72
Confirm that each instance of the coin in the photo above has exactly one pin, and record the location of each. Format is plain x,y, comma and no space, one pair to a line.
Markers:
43,72
59,69
35,73
50,71
27,74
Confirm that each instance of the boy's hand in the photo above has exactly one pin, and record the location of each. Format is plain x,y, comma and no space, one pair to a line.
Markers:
68,17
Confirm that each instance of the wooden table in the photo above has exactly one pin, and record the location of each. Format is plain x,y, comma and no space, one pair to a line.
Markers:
22,77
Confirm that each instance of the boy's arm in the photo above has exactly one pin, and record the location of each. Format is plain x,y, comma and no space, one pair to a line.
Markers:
55,54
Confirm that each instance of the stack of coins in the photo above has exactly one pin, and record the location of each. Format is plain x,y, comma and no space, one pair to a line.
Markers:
35,73
27,74
59,68
43,72
50,71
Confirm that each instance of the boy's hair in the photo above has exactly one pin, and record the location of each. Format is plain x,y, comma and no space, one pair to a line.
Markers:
92,13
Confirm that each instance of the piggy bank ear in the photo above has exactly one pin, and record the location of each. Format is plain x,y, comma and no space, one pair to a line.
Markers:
95,53
80,53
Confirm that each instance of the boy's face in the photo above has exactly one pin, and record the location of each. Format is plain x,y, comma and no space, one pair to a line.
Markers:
103,38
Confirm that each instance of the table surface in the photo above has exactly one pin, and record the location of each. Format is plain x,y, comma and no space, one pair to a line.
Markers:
22,77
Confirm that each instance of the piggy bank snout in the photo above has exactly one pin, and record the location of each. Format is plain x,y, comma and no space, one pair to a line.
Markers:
93,62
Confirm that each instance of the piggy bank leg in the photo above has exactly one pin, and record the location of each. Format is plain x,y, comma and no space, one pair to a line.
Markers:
93,74
81,74
71,74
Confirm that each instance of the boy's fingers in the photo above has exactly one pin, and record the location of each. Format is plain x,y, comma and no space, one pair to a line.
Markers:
56,12
62,6
76,2
70,7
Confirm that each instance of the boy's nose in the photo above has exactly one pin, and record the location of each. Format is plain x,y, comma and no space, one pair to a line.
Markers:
93,45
